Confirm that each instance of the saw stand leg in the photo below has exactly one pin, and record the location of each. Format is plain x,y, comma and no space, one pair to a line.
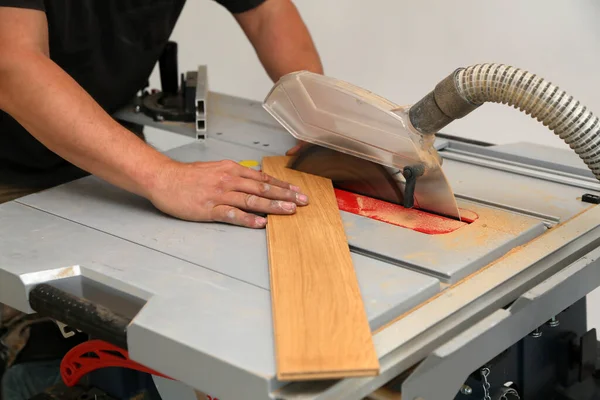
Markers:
538,343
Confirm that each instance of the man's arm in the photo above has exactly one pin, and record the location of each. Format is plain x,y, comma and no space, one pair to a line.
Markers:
59,113
281,41
280,38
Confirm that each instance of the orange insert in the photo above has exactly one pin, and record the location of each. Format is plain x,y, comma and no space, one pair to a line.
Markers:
394,214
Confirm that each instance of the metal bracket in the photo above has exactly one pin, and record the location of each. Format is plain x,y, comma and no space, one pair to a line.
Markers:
66,330
183,111
441,375
201,99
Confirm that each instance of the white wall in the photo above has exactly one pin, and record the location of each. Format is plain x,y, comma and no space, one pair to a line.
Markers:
401,49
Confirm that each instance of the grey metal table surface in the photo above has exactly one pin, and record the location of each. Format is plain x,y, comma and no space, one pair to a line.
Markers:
198,293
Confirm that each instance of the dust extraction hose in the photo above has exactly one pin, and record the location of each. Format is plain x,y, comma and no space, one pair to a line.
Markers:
468,88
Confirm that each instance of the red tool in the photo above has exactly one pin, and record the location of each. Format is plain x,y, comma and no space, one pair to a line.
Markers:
95,354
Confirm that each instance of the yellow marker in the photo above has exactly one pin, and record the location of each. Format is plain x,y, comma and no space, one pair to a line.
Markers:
249,163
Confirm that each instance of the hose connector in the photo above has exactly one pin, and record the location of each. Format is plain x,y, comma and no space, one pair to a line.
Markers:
441,106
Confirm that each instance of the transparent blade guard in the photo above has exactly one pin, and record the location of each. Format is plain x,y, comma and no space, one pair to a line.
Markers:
331,113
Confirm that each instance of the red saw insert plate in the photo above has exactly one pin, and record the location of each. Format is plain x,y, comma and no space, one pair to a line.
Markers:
394,214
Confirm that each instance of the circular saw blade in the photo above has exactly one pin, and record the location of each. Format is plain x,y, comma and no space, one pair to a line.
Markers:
349,173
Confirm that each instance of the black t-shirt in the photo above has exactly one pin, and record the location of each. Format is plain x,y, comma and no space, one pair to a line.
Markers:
109,47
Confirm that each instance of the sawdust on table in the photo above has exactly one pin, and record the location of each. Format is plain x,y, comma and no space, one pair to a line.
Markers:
442,292
483,229
510,253
67,272
479,233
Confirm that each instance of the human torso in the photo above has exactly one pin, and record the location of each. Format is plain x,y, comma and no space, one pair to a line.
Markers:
109,47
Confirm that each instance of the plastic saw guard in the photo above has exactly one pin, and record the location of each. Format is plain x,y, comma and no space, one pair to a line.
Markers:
340,116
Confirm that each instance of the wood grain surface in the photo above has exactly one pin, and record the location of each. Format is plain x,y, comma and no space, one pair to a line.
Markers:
320,324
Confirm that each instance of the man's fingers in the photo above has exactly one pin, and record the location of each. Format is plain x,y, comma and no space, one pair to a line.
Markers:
254,203
266,190
231,215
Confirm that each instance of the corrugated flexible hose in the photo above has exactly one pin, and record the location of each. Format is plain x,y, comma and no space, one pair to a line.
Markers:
535,96
572,121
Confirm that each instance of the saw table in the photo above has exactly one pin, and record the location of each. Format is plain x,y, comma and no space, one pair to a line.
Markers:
443,299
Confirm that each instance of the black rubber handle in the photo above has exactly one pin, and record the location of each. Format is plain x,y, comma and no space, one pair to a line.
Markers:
95,320
411,174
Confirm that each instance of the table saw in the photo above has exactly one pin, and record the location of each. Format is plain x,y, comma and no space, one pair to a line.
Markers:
485,307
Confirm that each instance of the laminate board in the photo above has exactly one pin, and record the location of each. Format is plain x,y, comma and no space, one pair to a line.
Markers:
321,329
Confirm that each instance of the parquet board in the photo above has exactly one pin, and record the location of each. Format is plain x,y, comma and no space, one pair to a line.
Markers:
320,324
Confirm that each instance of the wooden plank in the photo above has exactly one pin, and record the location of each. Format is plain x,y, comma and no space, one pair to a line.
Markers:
320,324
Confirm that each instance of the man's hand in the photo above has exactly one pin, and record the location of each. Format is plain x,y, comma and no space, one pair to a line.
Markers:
223,191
